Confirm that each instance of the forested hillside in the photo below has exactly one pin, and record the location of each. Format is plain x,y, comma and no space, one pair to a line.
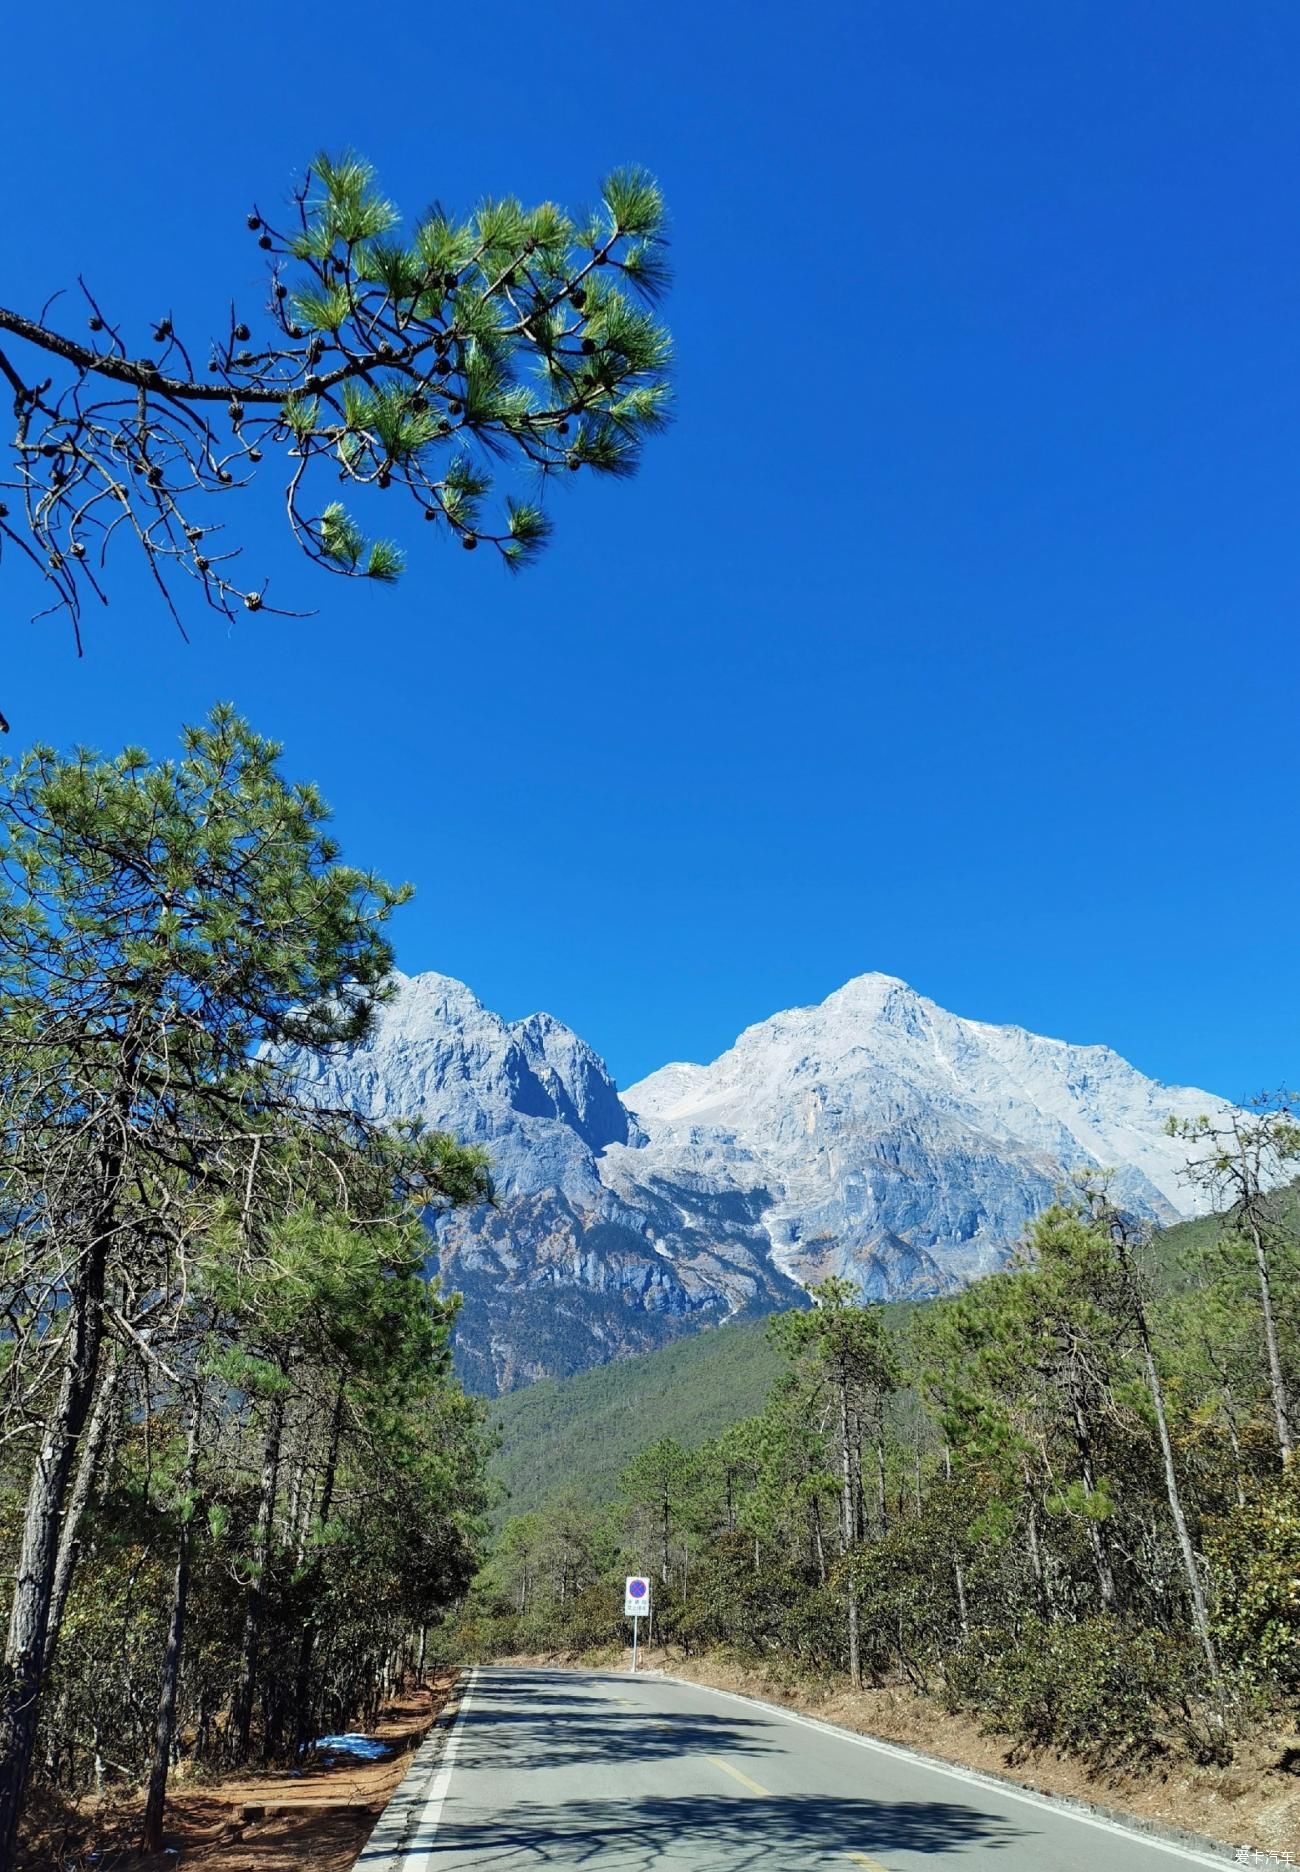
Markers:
579,1434
1064,1499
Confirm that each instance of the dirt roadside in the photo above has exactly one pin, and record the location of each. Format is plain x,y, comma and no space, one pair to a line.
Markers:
1255,1802
319,1819
313,1820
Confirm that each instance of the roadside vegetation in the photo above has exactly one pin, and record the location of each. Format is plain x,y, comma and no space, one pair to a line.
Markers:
238,1478
1063,1502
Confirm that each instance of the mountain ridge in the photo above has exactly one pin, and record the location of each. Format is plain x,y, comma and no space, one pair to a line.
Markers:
872,1135
572,1436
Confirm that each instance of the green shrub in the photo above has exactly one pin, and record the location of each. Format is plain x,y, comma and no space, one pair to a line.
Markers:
1100,1689
1255,1558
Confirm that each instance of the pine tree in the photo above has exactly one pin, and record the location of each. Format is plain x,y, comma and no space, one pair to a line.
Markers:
163,931
1245,1157
847,1342
415,364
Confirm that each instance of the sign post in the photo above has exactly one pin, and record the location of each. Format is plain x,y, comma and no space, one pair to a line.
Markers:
636,1606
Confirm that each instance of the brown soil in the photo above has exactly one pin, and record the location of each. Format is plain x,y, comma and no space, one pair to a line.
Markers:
1255,1801
314,1821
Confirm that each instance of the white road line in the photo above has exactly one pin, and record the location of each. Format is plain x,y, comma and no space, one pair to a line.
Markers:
1061,1807
431,1813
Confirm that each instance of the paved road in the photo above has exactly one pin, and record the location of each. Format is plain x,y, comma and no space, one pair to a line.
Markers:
559,1770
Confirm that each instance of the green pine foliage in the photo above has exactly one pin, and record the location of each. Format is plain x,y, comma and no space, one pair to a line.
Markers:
580,1433
968,1496
240,1479
441,357
446,368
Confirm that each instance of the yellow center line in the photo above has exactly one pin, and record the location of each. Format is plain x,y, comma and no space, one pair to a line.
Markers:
858,1858
736,1775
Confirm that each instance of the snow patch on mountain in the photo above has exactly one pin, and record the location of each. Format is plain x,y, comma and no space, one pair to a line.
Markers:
878,1114
873,1135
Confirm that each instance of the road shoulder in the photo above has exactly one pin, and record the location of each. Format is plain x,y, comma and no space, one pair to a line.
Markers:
1213,1852
388,1844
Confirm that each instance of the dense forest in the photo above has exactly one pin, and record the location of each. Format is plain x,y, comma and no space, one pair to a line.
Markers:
239,1479
575,1435
1063,1500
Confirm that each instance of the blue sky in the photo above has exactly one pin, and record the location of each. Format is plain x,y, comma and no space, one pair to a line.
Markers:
951,632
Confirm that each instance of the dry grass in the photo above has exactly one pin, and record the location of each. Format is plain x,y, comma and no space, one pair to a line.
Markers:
318,1818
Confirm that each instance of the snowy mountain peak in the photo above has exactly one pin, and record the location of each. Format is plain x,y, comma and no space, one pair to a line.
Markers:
870,990
577,1079
533,1087
872,1135
430,1003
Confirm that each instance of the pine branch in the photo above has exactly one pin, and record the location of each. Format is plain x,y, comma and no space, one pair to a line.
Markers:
515,341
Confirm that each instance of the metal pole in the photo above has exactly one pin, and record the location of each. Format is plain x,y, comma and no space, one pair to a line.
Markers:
636,1627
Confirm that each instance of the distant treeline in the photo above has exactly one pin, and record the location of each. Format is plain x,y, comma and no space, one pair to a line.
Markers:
1065,1499
238,1478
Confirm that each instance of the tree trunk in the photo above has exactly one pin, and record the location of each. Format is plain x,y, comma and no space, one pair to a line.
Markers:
859,1501
1276,1376
294,1515
88,1468
1083,1443
307,1646
963,1616
958,1570
819,1545
1192,1578
29,1617
241,1713
848,1517
1234,1443
151,1833
1036,1552
1200,1617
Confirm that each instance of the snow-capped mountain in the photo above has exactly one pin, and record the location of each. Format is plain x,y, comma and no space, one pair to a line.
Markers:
880,1116
874,1135
571,1266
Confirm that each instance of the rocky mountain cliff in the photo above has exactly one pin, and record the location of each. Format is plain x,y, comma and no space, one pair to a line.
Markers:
874,1136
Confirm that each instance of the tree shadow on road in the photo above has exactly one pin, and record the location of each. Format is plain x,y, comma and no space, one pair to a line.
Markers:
537,1720
543,1725
763,1834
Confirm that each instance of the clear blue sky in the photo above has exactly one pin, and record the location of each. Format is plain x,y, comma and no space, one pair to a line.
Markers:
952,631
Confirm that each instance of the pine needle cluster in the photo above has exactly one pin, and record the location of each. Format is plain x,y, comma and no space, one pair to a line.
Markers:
459,361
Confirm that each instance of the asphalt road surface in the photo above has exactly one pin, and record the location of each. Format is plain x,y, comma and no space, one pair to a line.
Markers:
566,1769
